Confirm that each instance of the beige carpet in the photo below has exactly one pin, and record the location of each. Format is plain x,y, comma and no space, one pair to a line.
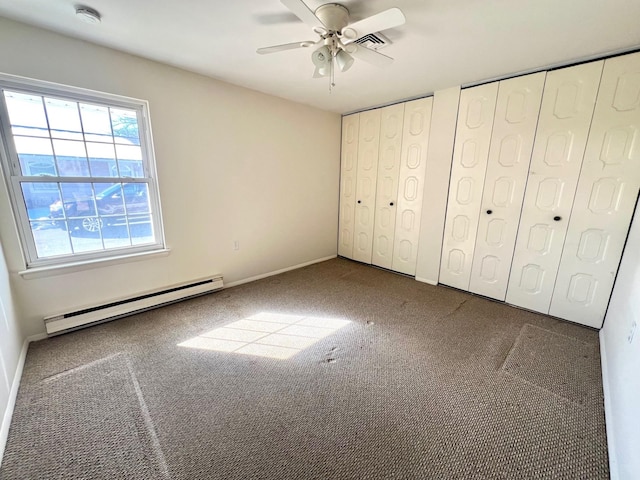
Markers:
337,370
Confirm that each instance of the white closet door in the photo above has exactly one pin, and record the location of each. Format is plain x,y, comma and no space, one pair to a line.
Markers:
473,135
514,128
366,184
391,121
415,140
605,198
565,116
348,171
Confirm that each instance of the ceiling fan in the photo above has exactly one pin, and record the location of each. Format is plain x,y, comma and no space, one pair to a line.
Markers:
337,36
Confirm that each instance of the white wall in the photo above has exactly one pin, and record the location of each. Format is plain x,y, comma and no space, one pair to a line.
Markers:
10,346
233,164
620,345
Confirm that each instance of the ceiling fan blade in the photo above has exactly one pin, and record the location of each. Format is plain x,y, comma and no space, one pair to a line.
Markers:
369,56
304,13
286,46
380,21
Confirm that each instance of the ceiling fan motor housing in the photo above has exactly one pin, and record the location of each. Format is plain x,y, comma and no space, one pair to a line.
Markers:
333,15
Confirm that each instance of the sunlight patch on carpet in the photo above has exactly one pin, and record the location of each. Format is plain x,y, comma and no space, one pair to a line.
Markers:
267,334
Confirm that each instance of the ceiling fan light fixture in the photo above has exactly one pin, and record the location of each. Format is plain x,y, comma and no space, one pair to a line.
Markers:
321,57
322,72
344,61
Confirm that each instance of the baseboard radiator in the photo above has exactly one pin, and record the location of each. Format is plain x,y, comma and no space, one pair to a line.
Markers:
58,324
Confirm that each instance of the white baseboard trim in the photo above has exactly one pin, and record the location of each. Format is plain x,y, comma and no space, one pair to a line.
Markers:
277,272
13,394
426,280
37,337
608,413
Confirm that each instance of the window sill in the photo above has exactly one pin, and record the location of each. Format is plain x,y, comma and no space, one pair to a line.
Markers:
52,270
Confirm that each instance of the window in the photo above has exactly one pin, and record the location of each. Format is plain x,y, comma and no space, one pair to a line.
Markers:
80,171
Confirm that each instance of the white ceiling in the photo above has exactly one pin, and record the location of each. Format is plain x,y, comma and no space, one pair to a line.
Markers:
444,42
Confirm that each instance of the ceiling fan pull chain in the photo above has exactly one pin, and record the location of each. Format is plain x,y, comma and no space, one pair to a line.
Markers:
332,78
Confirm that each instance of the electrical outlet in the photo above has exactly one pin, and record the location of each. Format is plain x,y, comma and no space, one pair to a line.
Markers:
632,332
236,245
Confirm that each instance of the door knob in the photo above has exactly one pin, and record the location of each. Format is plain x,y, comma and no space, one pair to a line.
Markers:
557,219
391,204
359,201
489,212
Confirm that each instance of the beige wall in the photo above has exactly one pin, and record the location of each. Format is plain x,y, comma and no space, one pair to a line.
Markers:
233,164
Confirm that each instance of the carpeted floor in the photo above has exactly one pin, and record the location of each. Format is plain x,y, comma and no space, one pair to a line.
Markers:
333,371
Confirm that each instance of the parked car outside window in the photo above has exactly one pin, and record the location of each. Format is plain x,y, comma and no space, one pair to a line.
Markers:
117,205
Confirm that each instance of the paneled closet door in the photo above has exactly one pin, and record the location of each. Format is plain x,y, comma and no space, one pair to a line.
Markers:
563,125
368,143
605,198
348,171
514,128
473,135
391,121
415,140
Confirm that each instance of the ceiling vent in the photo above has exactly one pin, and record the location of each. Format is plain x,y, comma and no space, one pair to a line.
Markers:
374,41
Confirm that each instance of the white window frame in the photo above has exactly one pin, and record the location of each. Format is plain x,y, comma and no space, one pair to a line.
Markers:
13,175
